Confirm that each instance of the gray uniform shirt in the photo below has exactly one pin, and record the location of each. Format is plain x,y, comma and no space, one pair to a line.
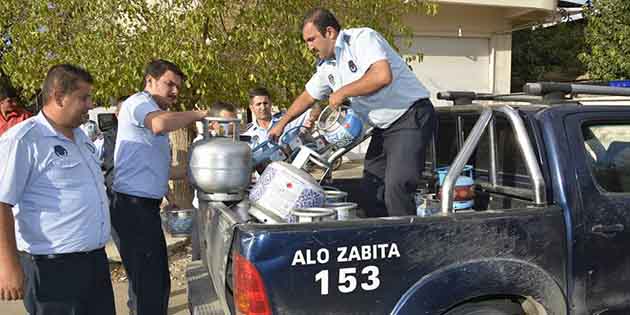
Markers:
56,187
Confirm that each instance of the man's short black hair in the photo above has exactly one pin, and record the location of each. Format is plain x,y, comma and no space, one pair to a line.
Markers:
6,89
156,68
64,78
258,91
321,19
219,106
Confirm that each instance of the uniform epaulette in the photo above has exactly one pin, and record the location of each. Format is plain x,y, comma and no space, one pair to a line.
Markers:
251,124
319,62
20,130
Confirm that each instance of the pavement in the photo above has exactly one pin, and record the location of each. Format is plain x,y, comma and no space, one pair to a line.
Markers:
178,303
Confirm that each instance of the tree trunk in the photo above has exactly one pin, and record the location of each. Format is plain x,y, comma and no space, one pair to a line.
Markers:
182,192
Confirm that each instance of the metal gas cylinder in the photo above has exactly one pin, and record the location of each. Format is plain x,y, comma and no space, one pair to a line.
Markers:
340,127
221,164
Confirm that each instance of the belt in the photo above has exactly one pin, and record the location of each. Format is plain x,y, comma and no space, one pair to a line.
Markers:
64,255
140,201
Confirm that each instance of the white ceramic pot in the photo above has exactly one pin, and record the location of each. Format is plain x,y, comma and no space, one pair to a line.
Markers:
283,187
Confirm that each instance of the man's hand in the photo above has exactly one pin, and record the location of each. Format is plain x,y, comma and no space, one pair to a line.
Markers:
336,99
11,280
276,131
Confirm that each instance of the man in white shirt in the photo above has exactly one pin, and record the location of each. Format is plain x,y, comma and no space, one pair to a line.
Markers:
54,212
359,65
142,168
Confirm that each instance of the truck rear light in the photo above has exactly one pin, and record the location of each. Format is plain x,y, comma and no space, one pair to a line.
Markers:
250,296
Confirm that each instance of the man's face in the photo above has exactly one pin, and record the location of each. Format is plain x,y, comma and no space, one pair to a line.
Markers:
322,45
223,128
8,105
261,107
164,89
75,105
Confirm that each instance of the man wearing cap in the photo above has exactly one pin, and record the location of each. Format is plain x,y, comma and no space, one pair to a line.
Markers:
358,64
54,213
10,113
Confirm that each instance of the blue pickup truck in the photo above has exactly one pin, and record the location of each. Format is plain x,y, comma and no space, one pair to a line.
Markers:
546,234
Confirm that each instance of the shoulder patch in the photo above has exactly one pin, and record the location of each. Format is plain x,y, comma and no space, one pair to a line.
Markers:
346,38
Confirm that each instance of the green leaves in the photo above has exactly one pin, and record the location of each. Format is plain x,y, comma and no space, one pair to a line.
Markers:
607,37
224,47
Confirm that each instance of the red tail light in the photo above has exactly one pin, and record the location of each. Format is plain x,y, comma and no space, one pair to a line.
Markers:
250,296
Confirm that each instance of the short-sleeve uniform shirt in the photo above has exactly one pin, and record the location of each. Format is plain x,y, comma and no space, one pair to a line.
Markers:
142,159
56,187
355,51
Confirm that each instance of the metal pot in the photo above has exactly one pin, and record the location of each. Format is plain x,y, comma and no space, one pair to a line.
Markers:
334,195
311,215
344,210
179,222
220,164
283,187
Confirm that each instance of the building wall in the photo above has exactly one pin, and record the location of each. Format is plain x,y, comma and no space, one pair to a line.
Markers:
469,44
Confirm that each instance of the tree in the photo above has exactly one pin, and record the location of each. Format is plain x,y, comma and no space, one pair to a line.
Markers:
547,54
224,47
608,39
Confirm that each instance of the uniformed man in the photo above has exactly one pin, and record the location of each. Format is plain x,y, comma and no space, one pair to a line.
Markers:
260,105
53,207
142,168
359,65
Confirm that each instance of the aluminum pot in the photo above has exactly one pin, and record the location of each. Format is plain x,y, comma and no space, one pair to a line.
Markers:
344,210
311,215
220,164
179,222
334,195
283,187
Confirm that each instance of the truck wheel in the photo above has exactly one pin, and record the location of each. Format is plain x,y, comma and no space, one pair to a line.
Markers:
495,307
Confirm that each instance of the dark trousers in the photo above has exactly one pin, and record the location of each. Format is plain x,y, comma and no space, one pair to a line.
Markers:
143,251
394,162
74,284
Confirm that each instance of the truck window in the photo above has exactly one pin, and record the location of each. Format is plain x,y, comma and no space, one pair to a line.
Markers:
511,167
607,148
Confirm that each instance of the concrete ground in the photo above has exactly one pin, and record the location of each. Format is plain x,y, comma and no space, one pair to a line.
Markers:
178,304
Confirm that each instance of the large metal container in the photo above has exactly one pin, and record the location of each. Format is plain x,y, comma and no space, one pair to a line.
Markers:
220,164
283,187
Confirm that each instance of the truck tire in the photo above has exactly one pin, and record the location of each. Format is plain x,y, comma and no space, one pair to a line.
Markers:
494,307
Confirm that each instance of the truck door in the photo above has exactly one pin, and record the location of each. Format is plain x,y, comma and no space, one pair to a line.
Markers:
600,141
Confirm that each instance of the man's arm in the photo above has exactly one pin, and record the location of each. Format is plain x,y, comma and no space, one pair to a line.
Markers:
11,274
163,121
299,106
378,76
